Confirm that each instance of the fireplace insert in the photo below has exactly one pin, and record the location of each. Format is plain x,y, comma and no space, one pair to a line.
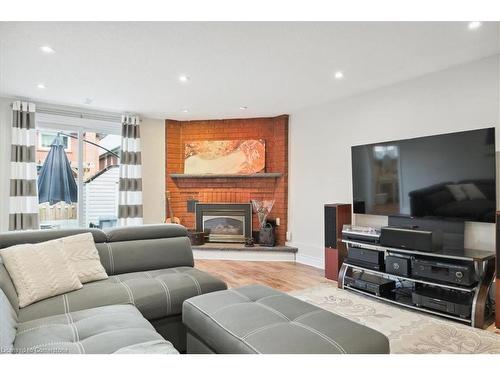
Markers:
224,222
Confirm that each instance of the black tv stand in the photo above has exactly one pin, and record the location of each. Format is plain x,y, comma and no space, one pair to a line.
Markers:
484,268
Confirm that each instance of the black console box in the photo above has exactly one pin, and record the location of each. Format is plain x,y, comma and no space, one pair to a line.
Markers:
453,273
365,255
399,265
447,301
369,265
371,283
411,239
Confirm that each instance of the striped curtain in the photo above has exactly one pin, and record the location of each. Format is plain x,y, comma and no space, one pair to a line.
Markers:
130,194
23,201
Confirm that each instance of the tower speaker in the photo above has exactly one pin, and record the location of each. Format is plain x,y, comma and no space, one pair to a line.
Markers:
336,215
497,281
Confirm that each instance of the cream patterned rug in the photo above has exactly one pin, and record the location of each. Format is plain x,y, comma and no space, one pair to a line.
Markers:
409,332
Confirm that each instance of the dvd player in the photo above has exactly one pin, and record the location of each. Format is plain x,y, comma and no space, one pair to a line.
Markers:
450,302
360,233
370,283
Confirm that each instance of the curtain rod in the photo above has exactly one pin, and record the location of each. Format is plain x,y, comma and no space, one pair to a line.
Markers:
76,112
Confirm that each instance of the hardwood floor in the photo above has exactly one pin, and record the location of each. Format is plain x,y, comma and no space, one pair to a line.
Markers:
284,276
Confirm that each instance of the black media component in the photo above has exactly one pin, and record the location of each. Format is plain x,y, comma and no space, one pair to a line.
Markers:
399,265
359,233
453,231
368,256
453,273
412,239
447,301
371,283
368,265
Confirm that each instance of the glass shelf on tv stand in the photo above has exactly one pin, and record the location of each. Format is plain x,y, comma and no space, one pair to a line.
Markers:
484,267
420,281
462,254
407,305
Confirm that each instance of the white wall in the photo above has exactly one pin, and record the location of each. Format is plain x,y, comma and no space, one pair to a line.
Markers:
5,125
153,170
461,98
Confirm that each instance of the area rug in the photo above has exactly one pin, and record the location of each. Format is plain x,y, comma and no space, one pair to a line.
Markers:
409,332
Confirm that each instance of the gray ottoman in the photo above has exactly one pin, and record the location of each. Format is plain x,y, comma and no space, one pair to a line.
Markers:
258,319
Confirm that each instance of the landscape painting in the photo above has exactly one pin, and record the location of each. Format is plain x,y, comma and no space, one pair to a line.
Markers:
225,157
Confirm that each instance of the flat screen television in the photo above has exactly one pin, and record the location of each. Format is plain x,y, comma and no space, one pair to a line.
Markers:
449,176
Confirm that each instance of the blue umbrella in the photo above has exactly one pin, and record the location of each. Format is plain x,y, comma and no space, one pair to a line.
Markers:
56,182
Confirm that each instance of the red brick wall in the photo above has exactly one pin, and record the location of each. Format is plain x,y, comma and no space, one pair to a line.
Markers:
273,130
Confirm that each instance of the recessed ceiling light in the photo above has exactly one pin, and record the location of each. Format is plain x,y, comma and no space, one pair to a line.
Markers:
243,107
338,75
184,78
475,25
40,86
47,49
185,111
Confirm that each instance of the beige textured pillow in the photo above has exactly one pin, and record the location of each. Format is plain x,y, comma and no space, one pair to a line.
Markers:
39,271
84,257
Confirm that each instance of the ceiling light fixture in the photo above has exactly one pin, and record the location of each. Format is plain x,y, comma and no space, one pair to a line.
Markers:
40,86
47,49
474,25
185,110
243,107
184,78
338,75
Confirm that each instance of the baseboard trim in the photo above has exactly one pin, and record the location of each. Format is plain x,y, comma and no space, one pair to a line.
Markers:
310,261
267,256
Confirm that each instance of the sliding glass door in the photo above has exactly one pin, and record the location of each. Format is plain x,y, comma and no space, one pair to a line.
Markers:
80,168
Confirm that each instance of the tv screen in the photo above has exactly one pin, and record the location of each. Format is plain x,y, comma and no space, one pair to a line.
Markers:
449,176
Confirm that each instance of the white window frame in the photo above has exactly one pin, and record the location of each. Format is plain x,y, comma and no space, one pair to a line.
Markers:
44,148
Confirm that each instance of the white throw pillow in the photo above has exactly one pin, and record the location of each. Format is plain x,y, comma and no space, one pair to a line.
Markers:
472,191
457,192
39,271
84,257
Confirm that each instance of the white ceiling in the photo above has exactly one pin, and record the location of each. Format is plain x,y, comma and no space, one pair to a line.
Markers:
273,68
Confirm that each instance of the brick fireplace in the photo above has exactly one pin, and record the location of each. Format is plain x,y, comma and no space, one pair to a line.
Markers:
235,189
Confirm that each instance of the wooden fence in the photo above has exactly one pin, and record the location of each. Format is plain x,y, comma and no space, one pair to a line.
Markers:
58,211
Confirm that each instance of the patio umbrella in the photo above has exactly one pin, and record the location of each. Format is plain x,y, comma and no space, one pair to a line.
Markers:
56,182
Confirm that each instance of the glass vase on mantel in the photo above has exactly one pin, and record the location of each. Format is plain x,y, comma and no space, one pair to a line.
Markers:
266,232
262,209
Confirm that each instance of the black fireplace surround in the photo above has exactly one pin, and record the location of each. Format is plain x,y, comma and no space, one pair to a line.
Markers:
224,222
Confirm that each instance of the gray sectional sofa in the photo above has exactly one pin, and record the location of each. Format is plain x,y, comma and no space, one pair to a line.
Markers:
152,283
136,310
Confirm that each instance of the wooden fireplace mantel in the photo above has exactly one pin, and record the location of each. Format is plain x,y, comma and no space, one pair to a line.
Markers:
253,175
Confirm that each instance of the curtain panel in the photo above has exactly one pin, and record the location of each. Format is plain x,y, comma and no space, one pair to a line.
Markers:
130,183
23,200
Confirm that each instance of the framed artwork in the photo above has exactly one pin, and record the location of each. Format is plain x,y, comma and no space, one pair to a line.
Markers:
225,157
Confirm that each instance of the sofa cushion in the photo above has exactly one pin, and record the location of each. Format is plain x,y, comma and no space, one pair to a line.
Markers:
8,239
102,330
145,232
84,258
157,294
7,286
8,324
39,270
258,319
145,254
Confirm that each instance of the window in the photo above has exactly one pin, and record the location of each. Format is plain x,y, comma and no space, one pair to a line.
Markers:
92,154
45,139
